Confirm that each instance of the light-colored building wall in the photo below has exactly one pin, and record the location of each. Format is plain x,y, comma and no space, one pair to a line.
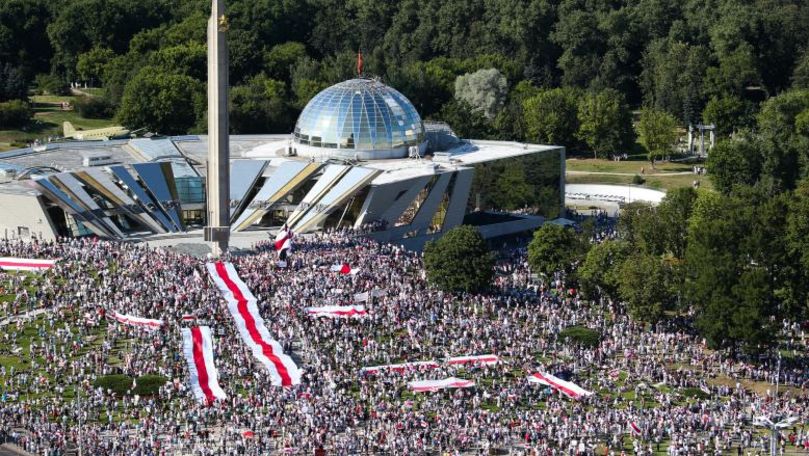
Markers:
23,215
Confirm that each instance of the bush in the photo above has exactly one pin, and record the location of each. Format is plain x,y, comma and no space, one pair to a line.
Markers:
52,84
94,108
14,114
696,393
579,335
121,384
638,180
459,261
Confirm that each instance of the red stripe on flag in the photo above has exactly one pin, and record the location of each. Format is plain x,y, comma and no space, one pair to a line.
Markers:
280,243
562,388
17,264
250,324
199,362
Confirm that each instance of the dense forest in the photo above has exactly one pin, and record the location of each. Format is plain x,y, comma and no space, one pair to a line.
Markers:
567,71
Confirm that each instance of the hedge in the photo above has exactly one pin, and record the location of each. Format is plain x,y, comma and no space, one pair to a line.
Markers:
121,384
579,335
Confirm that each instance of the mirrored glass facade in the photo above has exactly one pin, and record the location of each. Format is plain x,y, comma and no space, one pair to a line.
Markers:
359,114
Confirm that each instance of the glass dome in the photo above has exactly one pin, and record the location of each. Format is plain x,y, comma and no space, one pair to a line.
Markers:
360,115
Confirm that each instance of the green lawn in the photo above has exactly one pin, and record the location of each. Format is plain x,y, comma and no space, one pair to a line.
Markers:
48,119
624,166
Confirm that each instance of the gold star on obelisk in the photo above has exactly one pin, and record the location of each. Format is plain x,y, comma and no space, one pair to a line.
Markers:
223,23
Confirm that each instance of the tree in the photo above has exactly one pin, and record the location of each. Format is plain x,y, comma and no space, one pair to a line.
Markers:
603,122
459,261
14,114
672,78
13,85
190,59
554,248
729,113
484,90
735,161
90,66
163,103
551,117
800,75
465,120
643,285
599,273
281,58
657,132
260,107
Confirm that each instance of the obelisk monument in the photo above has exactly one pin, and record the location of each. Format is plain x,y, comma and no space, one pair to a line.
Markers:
217,232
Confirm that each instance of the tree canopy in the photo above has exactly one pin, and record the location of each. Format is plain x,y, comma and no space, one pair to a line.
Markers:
459,261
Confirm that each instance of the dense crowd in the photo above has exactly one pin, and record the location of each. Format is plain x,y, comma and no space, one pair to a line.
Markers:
682,397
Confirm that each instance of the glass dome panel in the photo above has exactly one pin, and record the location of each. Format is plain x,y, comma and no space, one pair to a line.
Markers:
360,114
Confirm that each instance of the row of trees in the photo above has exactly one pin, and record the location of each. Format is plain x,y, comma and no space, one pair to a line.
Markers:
696,61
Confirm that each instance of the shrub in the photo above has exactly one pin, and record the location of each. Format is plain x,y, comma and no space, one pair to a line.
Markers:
52,84
638,179
695,393
148,385
579,335
94,107
14,114
459,261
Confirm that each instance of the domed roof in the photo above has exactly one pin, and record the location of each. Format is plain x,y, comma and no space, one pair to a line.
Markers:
360,115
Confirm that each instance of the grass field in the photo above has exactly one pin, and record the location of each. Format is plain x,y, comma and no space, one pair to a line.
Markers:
665,176
48,119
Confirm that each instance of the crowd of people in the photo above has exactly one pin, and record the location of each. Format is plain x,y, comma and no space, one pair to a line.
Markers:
656,389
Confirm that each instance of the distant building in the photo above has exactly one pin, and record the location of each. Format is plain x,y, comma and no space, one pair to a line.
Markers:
360,156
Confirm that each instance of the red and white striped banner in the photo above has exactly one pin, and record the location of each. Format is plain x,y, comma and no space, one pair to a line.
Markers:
420,386
198,352
337,311
131,320
474,359
569,389
25,264
283,242
242,306
344,269
403,367
634,427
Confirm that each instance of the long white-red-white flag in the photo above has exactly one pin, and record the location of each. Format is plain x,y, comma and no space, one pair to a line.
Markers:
140,322
344,269
242,306
474,359
198,352
420,386
25,264
337,311
569,389
635,428
401,367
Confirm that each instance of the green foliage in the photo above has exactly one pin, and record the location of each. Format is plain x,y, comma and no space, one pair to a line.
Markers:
164,103
695,393
551,117
190,59
555,248
90,65
52,84
604,122
260,106
735,161
14,114
643,286
729,113
800,76
581,336
637,179
466,121
13,85
484,90
657,132
149,385
459,261
672,78
94,107
281,58
599,273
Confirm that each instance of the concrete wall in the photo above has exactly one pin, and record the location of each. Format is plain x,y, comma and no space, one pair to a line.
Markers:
24,210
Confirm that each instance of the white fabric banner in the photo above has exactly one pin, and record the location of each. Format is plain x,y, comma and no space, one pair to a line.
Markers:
131,320
569,389
337,311
420,386
402,367
242,306
25,264
474,359
198,352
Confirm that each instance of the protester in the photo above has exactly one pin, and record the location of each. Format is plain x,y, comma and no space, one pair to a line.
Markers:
680,395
